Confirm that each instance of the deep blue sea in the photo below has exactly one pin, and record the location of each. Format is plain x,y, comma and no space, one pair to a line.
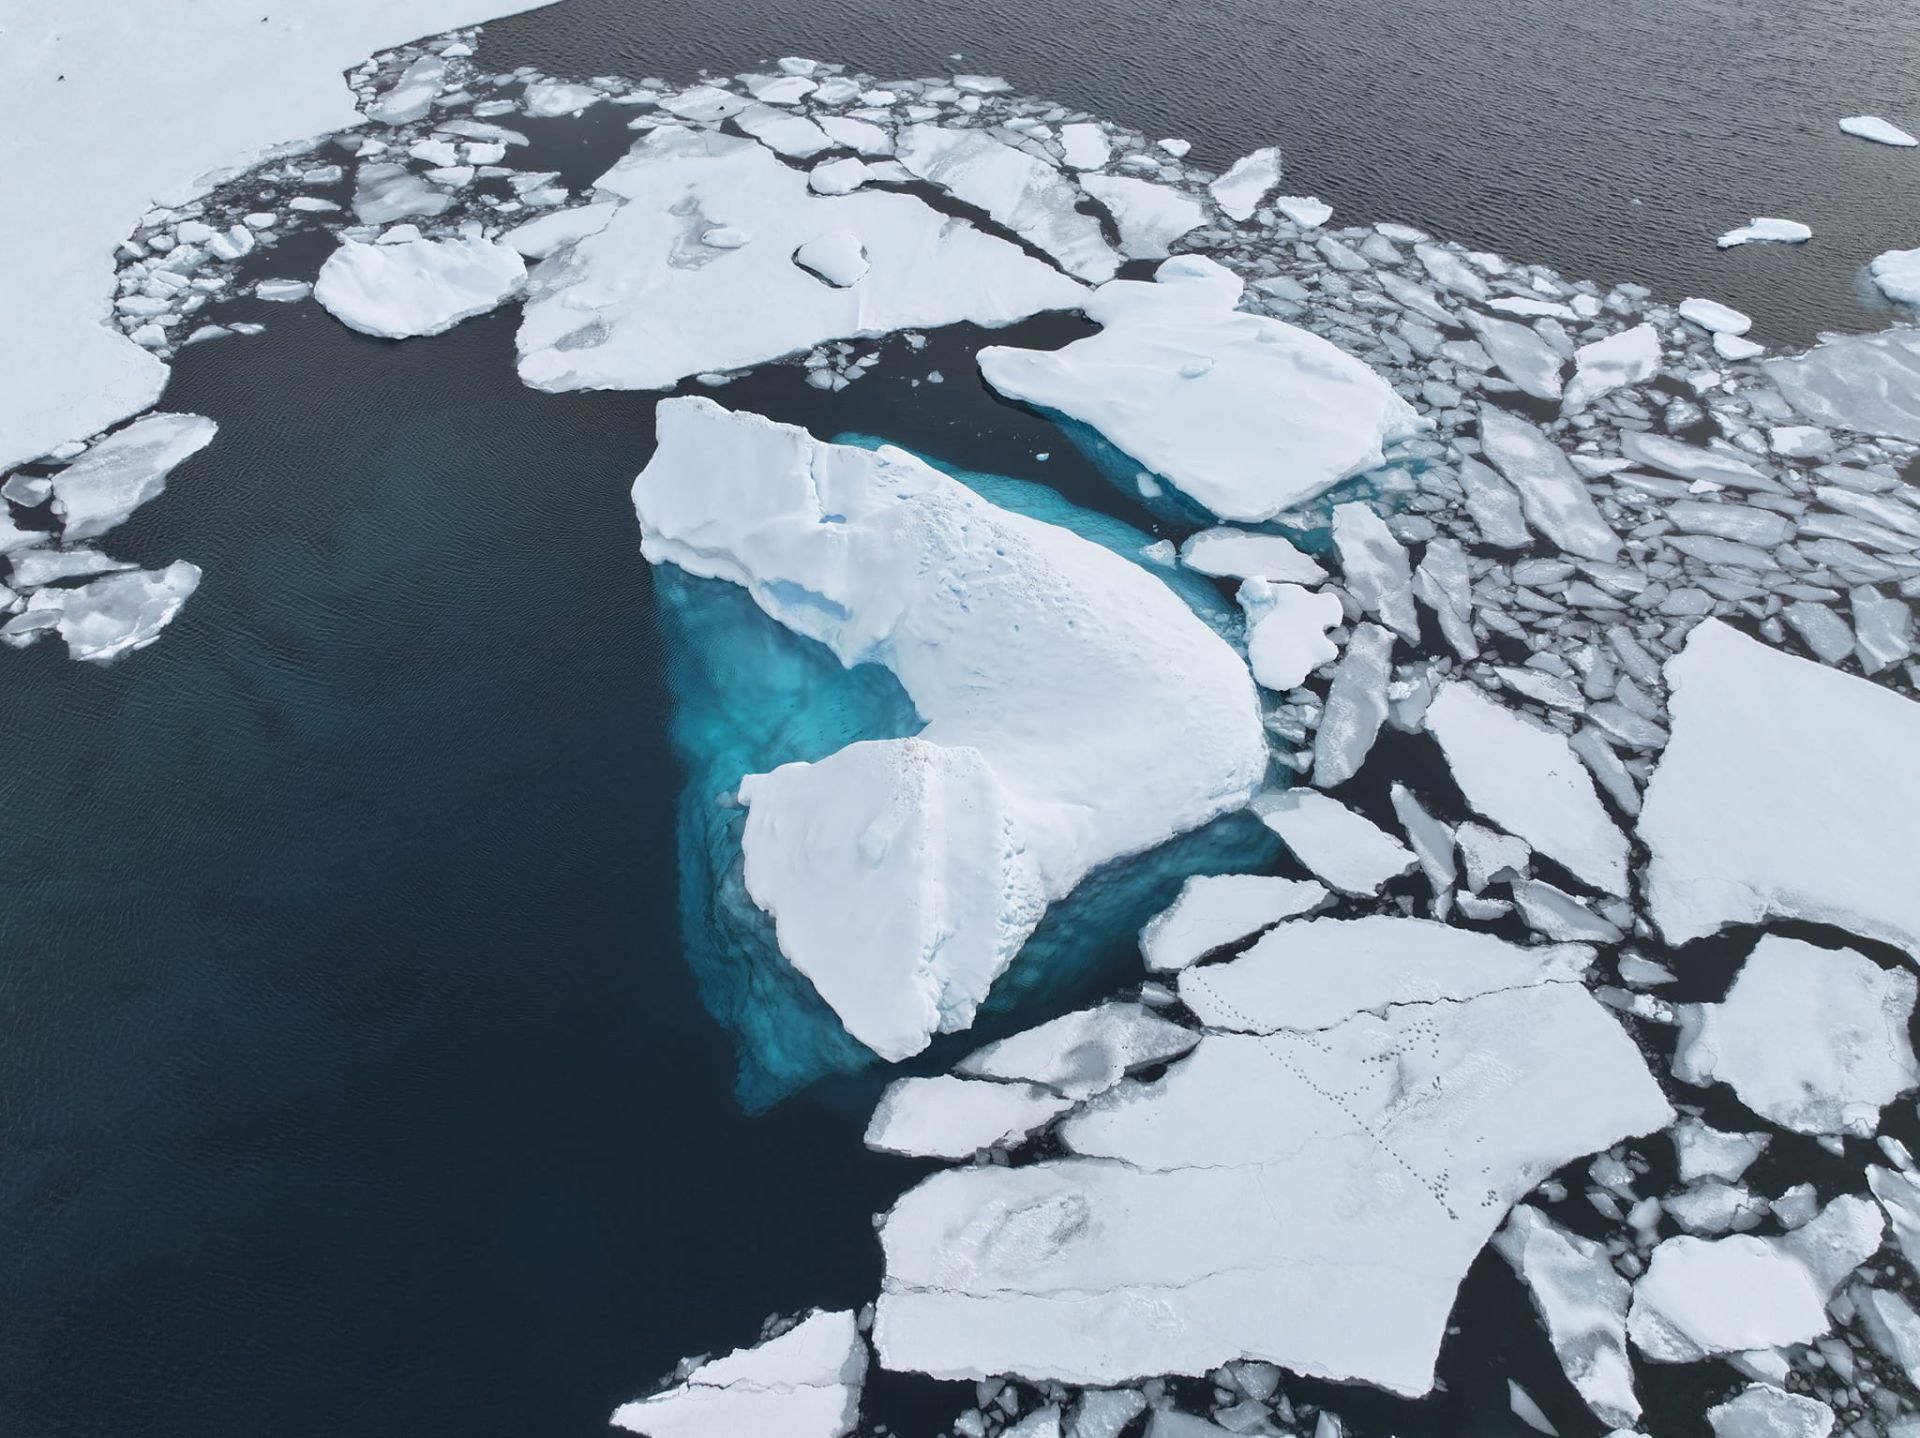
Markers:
359,1071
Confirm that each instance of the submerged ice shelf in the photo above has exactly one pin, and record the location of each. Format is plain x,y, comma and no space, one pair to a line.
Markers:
947,845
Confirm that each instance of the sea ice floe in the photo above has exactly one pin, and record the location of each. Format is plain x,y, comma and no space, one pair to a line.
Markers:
803,1384
942,1116
1085,1053
1365,1162
1026,194
1216,910
1375,569
1287,632
545,99
125,470
1626,357
110,616
1524,777
652,298
1583,1303
1345,849
1867,383
1703,1296
1763,1411
1239,554
542,235
903,874
1246,183
34,567
1715,317
1246,415
1522,356
1148,216
1356,706
1553,496
1084,145
1897,273
1765,229
417,287
1784,792
1872,127
1813,1039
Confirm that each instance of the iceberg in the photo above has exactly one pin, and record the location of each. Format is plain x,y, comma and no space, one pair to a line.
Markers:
1872,127
1365,1164
417,287
805,1383
651,299
1785,792
125,470
947,1117
1215,910
1244,414
1526,778
1813,1039
903,874
1025,194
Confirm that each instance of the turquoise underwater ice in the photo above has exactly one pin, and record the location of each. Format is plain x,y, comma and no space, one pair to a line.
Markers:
750,695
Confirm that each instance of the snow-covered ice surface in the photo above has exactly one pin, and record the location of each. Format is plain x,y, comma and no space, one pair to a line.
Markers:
903,875
804,1383
1824,837
1725,1295
942,1116
1583,1303
1246,415
1042,1269
1215,910
1812,1039
417,287
1897,272
125,470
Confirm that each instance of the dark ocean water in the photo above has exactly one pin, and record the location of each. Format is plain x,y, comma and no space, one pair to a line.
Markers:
354,1077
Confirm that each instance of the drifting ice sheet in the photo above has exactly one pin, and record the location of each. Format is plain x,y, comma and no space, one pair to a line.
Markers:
904,874
116,614
1583,1303
1703,1296
1245,414
1365,1165
1869,383
1086,1053
652,298
1347,850
1787,791
1149,217
1216,910
124,471
416,287
804,1384
1813,1039
947,1117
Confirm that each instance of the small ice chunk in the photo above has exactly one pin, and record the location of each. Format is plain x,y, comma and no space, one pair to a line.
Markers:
784,132
548,99
947,1117
1307,211
837,257
1704,1152
1493,506
1215,910
1837,1240
1712,466
35,567
118,613
412,94
124,471
1764,1411
1339,846
1444,583
1813,1039
1374,565
1552,493
1084,145
1702,1296
1872,127
282,292
1148,216
861,136
804,1384
1897,272
383,193
1883,629
1583,1304
1785,791
1764,229
1555,914
1892,1327
1356,707
1287,632
1522,355
1083,1054
839,177
417,287
1523,776
540,237
1715,317
1238,554
1246,415
1239,192
1628,357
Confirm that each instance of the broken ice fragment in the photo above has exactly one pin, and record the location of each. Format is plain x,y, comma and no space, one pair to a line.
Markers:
1872,127
804,1384
1287,632
1813,1039
1630,357
113,615
1085,1053
947,1117
1715,317
1869,383
1306,211
1522,355
1583,1303
838,258
1240,190
1766,230
1237,554
1701,1296
1339,846
124,471
416,287
1764,1411
1149,216
1552,493
1216,910
1897,273
1356,707
1374,565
